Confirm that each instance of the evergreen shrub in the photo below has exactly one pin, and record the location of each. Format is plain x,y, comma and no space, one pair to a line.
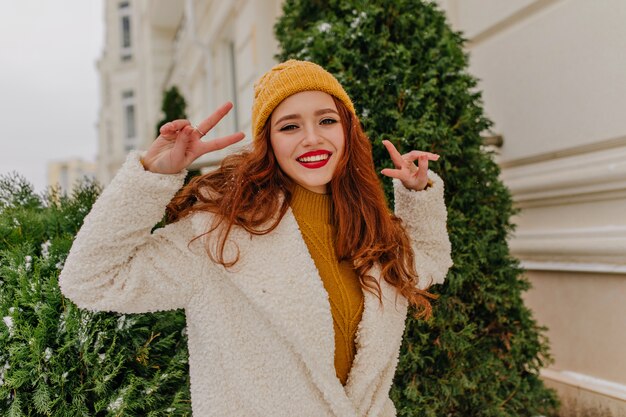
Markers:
58,360
173,106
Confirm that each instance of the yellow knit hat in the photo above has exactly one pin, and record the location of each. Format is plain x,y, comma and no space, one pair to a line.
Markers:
288,78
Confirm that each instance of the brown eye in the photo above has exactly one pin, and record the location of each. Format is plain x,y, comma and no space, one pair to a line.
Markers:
288,127
328,121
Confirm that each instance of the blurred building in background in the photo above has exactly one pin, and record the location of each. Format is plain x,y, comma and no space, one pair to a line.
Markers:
552,76
212,51
69,173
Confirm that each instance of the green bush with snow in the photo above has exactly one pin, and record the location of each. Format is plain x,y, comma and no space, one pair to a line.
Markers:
58,360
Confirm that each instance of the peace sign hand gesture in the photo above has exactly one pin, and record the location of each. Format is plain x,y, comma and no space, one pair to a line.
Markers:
412,177
179,143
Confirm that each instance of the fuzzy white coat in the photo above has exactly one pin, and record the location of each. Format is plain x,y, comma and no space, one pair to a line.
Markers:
261,339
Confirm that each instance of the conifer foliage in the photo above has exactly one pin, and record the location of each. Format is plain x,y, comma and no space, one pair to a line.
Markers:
58,360
406,71
173,106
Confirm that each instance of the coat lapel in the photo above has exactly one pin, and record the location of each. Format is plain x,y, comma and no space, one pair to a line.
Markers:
277,274
378,339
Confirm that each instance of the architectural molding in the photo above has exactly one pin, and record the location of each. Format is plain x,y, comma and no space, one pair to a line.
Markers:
599,249
587,382
587,173
597,268
602,145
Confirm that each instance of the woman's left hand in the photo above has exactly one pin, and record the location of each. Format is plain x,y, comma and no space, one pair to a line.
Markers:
412,177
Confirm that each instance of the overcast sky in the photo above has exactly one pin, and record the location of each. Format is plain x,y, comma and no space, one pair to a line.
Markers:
48,83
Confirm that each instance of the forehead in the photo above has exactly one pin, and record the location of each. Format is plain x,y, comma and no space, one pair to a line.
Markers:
303,102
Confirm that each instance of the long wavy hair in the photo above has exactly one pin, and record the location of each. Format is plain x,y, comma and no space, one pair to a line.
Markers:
249,190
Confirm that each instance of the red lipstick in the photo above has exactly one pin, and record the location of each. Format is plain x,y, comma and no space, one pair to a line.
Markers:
314,159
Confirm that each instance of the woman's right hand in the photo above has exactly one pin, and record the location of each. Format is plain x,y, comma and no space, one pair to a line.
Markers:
179,143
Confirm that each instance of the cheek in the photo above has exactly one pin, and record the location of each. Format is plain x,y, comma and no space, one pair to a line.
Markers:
340,142
280,150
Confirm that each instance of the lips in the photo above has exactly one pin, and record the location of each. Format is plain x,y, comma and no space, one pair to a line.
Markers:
314,159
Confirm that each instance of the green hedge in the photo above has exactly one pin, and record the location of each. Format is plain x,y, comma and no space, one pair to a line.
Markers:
57,360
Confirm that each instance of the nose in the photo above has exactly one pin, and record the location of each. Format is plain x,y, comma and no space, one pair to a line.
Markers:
311,136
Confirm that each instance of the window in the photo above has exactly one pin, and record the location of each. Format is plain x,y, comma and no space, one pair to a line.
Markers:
125,31
64,181
130,120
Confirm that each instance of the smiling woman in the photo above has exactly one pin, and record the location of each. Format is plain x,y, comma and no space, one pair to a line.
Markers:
294,276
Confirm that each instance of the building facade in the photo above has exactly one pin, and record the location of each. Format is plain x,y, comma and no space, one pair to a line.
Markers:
67,174
552,76
213,51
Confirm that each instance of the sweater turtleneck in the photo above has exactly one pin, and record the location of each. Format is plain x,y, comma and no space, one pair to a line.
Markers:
314,212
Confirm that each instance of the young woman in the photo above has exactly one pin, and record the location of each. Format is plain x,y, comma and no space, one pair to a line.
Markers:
294,276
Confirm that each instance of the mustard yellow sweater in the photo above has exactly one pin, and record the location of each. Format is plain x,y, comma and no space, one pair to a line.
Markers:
314,213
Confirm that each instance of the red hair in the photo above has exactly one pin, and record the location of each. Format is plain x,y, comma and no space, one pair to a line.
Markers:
249,190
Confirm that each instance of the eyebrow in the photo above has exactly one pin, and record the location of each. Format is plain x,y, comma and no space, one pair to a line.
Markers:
296,116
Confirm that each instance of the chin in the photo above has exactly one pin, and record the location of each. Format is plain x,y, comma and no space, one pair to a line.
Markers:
320,187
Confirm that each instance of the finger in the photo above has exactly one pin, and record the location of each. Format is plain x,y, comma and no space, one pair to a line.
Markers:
174,126
394,154
219,143
413,155
422,164
392,173
180,146
208,123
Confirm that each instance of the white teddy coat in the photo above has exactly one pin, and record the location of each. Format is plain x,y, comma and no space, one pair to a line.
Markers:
261,339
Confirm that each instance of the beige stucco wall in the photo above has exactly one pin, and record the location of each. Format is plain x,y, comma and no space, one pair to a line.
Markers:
557,65
586,321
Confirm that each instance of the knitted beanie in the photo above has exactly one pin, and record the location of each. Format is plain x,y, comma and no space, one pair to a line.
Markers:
288,78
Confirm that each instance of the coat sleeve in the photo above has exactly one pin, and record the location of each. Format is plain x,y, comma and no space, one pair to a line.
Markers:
389,409
116,263
424,215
